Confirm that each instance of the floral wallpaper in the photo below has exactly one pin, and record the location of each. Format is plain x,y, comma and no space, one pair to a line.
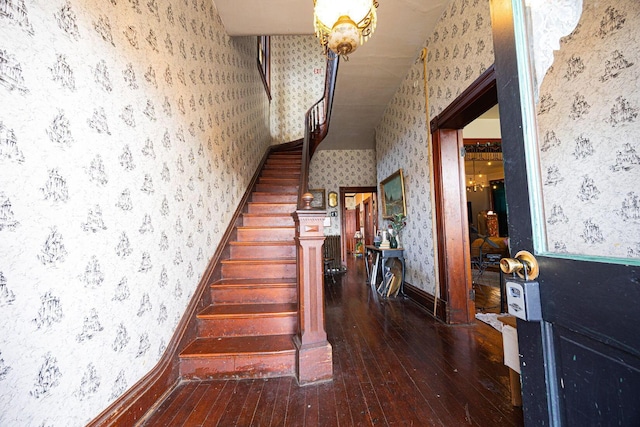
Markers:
459,50
129,131
588,125
298,69
332,169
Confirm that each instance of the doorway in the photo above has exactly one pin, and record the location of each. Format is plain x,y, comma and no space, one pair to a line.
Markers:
486,209
359,219
457,298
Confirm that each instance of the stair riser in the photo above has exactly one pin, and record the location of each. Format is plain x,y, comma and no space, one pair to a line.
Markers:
247,271
263,252
271,188
238,366
265,235
274,197
252,295
242,327
268,221
278,181
280,172
283,161
270,208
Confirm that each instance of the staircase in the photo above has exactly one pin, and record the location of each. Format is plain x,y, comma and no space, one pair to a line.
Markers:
247,331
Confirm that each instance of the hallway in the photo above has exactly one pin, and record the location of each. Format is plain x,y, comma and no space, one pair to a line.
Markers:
393,365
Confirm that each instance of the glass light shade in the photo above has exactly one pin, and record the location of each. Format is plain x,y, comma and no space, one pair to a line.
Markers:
329,11
344,37
343,25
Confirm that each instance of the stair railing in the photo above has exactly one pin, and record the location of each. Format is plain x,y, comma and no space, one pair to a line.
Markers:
314,353
316,123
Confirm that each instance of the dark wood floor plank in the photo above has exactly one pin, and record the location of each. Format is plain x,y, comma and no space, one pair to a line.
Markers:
265,406
236,403
296,407
394,364
312,406
251,403
328,413
216,412
204,405
279,414
166,412
190,404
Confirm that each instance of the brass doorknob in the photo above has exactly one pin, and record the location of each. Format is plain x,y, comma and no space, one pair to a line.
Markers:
524,265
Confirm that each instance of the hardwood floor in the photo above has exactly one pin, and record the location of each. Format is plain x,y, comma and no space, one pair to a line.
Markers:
393,365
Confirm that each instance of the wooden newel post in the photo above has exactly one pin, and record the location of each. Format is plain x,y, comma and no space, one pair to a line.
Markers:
314,354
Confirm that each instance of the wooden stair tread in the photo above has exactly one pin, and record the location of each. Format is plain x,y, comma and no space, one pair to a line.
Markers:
248,310
207,347
265,227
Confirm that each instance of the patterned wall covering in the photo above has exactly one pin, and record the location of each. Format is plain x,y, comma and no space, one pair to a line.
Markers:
129,131
297,82
332,169
459,50
588,129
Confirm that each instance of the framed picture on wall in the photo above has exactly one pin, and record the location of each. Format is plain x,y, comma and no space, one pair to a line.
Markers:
333,199
318,198
392,194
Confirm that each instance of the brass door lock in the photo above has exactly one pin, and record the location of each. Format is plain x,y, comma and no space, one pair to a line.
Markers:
524,265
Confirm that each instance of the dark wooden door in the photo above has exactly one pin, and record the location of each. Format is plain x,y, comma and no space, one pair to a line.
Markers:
368,222
350,229
581,364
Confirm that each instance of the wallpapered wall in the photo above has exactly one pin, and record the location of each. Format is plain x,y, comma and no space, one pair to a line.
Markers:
129,131
332,169
588,130
459,50
297,82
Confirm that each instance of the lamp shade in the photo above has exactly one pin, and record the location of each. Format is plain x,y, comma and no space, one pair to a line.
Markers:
329,11
343,25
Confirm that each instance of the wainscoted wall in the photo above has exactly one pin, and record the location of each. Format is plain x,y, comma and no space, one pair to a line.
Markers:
588,128
129,131
459,50
332,169
298,69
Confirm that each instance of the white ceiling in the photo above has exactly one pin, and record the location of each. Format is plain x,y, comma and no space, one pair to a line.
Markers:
367,82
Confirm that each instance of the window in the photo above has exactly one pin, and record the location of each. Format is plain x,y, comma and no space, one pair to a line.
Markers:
264,62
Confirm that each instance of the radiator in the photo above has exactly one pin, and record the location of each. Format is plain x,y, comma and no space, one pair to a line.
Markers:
332,252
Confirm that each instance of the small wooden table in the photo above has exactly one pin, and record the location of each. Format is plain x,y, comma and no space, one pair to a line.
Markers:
380,258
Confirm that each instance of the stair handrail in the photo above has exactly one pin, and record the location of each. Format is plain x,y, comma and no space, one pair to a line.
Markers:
316,125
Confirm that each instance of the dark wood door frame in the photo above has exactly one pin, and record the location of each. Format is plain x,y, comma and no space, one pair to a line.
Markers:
343,209
454,257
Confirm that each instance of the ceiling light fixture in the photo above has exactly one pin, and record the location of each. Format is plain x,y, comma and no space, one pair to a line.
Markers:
343,25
